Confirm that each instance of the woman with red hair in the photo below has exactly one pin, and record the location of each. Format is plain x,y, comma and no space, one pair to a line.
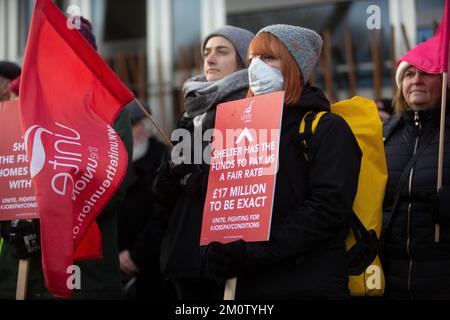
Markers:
305,256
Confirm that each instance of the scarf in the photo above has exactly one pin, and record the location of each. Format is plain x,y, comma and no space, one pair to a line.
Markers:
200,95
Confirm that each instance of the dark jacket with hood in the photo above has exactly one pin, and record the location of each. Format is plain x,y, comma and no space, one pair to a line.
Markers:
305,257
414,265
138,207
142,223
185,195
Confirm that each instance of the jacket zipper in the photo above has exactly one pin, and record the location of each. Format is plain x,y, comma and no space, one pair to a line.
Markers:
408,239
409,253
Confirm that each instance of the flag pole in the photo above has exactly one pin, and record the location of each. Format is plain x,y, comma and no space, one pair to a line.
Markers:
230,289
441,146
168,141
22,279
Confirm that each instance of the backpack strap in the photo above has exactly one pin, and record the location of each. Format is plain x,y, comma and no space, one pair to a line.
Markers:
365,249
308,126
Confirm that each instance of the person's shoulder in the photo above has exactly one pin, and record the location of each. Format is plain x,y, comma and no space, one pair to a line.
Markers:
122,120
123,114
333,131
333,121
392,122
390,125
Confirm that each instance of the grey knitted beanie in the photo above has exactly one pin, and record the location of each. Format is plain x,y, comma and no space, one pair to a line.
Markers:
304,45
135,112
239,37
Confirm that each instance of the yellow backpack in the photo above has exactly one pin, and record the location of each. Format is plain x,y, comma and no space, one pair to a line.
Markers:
366,276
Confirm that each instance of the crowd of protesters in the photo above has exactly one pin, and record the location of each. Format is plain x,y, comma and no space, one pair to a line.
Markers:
151,228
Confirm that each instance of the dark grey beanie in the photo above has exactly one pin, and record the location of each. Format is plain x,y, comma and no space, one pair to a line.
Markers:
135,112
9,70
239,37
304,45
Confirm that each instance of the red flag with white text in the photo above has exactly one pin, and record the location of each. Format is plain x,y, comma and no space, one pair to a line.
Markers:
69,99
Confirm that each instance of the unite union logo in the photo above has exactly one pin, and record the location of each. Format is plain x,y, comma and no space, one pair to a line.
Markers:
248,115
37,153
62,154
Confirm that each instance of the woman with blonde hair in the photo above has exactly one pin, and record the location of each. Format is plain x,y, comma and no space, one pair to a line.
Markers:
416,266
305,256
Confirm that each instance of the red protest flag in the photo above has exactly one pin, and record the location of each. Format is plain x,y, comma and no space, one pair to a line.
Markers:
432,56
69,98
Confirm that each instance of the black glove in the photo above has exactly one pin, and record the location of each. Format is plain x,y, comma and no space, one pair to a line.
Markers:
441,206
224,261
196,183
24,236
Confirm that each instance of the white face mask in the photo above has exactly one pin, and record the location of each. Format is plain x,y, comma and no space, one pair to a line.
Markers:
264,78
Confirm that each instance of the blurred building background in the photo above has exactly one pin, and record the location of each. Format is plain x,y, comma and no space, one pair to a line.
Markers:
154,45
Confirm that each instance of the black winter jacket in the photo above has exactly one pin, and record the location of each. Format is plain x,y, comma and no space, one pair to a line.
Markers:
305,256
415,266
142,223
180,251
138,210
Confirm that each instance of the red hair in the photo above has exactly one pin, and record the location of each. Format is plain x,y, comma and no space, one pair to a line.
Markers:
265,44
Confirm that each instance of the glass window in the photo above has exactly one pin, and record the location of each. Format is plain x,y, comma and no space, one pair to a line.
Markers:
335,17
125,20
25,13
186,24
429,14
